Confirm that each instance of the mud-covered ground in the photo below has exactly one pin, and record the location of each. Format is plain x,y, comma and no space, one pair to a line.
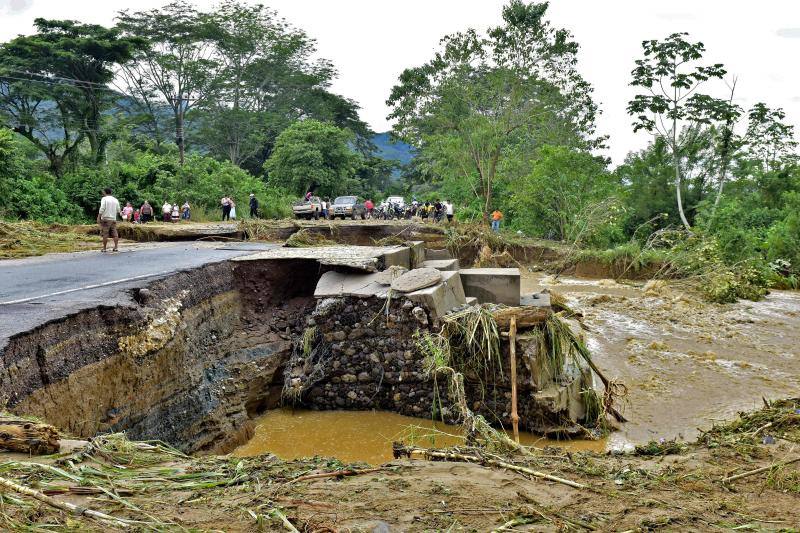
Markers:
687,364
152,487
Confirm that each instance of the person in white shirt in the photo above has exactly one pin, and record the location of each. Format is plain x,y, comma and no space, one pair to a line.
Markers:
107,218
449,210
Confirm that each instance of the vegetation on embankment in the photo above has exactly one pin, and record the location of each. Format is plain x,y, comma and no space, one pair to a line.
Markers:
25,239
727,479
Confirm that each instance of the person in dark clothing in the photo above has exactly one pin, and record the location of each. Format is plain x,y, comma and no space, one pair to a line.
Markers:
226,203
253,206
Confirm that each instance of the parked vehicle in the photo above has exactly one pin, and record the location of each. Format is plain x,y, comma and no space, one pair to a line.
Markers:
397,201
348,206
308,209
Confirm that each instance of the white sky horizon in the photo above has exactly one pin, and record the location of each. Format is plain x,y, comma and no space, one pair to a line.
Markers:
370,42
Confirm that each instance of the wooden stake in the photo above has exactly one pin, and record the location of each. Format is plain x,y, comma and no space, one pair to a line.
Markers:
512,343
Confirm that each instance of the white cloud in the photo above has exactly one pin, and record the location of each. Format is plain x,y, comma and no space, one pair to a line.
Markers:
789,33
372,41
13,7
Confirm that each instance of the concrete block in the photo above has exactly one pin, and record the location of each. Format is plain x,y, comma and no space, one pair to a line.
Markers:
537,299
492,285
397,255
433,254
471,300
337,284
441,298
441,264
417,251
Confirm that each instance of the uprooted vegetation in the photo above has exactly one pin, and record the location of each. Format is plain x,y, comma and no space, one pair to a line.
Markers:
25,239
114,483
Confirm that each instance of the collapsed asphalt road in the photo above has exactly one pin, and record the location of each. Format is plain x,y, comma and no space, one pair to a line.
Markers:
36,290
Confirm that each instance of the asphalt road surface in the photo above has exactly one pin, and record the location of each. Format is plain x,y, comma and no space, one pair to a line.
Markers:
36,290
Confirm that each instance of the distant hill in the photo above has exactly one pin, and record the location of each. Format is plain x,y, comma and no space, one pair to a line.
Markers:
396,151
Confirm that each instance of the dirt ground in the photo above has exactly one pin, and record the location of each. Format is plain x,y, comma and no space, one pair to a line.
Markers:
664,486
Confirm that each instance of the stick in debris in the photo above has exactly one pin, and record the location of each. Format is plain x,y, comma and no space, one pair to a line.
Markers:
64,506
760,470
276,513
512,343
338,473
433,455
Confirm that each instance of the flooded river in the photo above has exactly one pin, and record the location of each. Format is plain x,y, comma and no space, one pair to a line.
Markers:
687,363
358,435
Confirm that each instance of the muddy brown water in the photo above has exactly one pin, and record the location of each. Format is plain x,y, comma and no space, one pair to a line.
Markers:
360,435
687,363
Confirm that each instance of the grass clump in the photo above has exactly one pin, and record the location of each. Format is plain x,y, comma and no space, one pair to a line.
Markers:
660,448
28,238
307,239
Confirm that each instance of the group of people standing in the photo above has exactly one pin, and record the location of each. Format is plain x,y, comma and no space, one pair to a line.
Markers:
229,207
170,212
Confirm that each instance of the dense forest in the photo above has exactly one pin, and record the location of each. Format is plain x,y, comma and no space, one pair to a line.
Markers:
182,105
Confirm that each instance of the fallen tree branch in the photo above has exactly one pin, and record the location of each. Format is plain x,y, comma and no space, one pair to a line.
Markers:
759,470
337,473
64,506
401,450
525,316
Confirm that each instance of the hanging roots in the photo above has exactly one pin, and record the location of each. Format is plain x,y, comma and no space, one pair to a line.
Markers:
477,431
475,341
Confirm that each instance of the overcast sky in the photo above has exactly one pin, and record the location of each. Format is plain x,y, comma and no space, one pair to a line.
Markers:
372,41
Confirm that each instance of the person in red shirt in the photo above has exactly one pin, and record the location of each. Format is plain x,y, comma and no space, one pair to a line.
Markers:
369,206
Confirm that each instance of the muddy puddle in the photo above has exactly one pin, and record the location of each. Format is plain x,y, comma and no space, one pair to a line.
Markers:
687,363
360,435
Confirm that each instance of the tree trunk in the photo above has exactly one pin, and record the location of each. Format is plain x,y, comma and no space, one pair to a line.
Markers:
179,140
676,161
24,436
727,133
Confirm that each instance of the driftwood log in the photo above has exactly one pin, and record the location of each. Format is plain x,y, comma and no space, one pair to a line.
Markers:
526,316
25,436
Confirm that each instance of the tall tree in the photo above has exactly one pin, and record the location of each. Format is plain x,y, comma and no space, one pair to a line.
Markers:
484,97
769,140
178,63
672,74
54,89
312,155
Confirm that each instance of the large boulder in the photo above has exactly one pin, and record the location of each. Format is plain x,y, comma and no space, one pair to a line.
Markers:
417,279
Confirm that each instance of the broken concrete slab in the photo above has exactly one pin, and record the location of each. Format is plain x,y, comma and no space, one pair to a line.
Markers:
366,258
492,285
434,254
417,251
442,264
443,297
397,256
416,279
339,284
471,300
537,299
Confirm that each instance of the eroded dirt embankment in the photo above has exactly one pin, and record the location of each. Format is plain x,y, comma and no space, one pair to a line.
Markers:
199,354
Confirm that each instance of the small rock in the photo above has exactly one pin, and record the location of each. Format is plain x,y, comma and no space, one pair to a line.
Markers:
364,377
339,335
421,316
